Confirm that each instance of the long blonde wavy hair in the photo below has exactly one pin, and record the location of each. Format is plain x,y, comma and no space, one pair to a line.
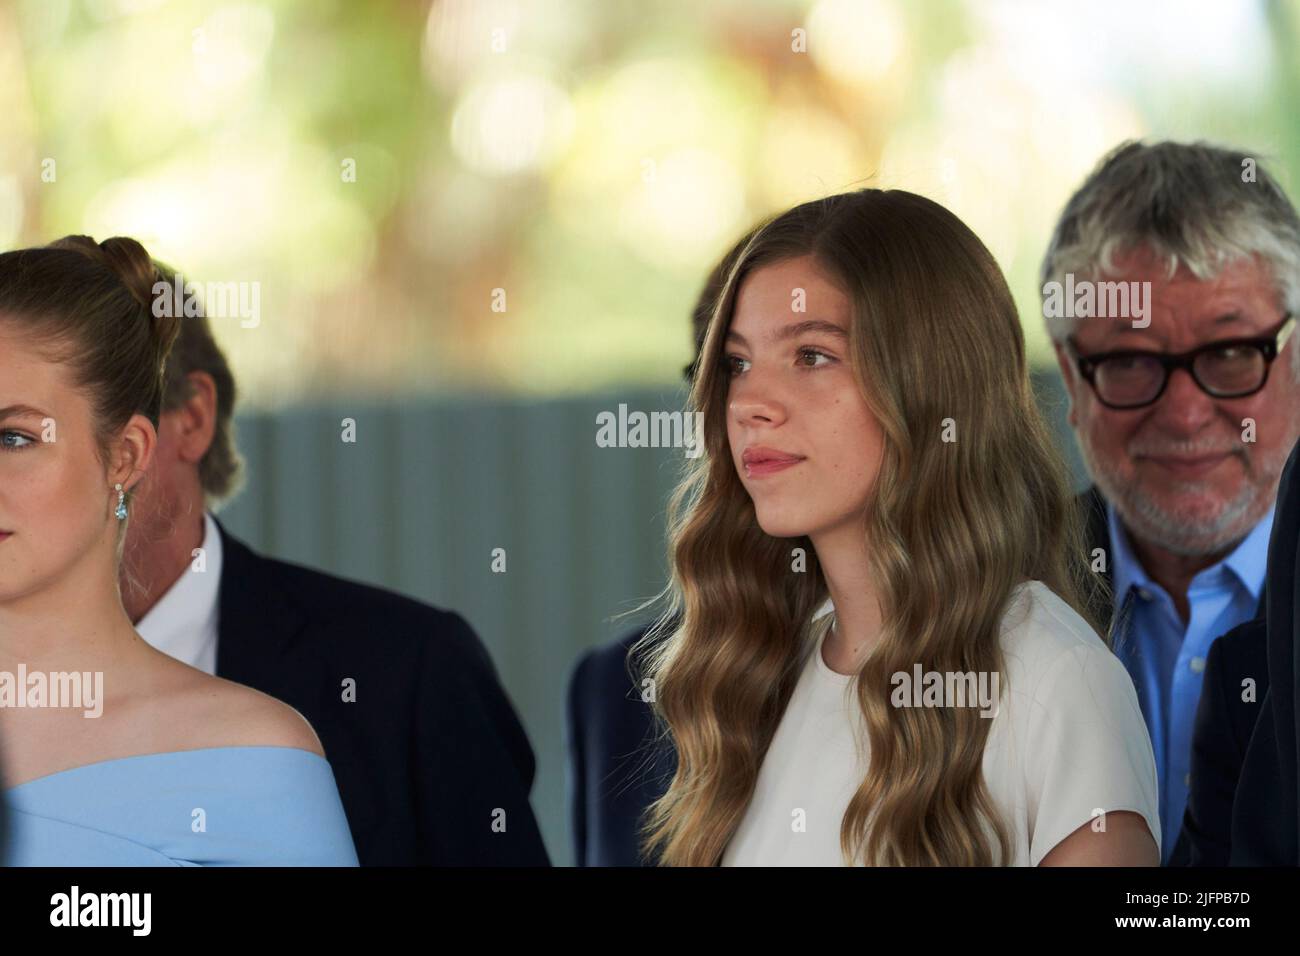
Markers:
952,529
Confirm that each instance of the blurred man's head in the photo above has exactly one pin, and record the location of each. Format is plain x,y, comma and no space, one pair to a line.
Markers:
707,301
1191,465
196,465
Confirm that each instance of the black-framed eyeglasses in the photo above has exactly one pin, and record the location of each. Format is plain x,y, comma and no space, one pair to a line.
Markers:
1228,368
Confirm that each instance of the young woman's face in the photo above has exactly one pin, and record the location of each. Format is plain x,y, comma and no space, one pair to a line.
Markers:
55,507
803,440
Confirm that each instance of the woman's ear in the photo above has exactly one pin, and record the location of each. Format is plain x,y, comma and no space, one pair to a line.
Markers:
133,452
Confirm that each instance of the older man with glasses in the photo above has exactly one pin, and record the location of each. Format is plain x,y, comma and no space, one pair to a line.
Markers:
1183,421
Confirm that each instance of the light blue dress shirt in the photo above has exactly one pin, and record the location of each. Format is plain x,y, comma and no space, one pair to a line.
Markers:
1167,658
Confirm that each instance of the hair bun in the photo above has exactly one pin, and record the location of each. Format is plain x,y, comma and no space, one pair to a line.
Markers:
129,260
136,270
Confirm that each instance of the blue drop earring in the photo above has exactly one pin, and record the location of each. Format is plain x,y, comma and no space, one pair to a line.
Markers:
121,503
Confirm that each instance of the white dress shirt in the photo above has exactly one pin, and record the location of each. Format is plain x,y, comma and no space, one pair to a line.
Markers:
183,623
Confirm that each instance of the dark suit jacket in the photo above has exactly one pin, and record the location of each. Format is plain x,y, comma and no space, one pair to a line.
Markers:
1265,810
1224,724
617,768
429,750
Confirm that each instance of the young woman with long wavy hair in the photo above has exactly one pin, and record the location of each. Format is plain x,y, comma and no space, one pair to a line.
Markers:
880,499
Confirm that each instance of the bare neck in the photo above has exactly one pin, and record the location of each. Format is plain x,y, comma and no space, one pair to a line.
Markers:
76,624
842,555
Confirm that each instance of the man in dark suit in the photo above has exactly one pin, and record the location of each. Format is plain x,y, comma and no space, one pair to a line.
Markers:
432,764
1266,807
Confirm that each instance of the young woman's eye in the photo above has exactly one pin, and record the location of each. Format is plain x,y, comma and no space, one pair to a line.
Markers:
808,357
731,364
8,443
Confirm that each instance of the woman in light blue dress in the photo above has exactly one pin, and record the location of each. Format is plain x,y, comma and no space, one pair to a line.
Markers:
112,753
217,806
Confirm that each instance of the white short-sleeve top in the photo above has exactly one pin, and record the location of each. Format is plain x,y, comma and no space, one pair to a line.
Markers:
1067,742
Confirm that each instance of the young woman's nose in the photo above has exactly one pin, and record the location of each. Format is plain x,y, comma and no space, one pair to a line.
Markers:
754,400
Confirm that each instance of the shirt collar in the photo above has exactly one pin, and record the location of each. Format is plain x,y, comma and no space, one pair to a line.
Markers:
1250,559
1248,562
180,621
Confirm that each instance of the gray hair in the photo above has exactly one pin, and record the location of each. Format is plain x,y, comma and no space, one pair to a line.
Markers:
1190,204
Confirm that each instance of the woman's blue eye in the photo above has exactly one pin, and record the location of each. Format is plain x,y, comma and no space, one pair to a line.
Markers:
7,445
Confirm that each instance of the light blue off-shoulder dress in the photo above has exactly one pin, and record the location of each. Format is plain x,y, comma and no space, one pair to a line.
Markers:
216,806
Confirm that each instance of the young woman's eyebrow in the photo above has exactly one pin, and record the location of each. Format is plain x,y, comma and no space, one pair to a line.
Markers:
18,411
795,330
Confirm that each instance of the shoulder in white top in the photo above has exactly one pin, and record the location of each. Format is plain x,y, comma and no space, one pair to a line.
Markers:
1067,744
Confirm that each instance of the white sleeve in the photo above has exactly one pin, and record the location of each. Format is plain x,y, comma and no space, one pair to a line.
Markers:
1088,749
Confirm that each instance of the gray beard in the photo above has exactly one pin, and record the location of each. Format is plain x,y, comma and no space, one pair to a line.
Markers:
1181,534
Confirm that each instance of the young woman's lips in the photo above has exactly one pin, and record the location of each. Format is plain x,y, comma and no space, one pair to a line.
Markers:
5,534
1190,466
764,464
